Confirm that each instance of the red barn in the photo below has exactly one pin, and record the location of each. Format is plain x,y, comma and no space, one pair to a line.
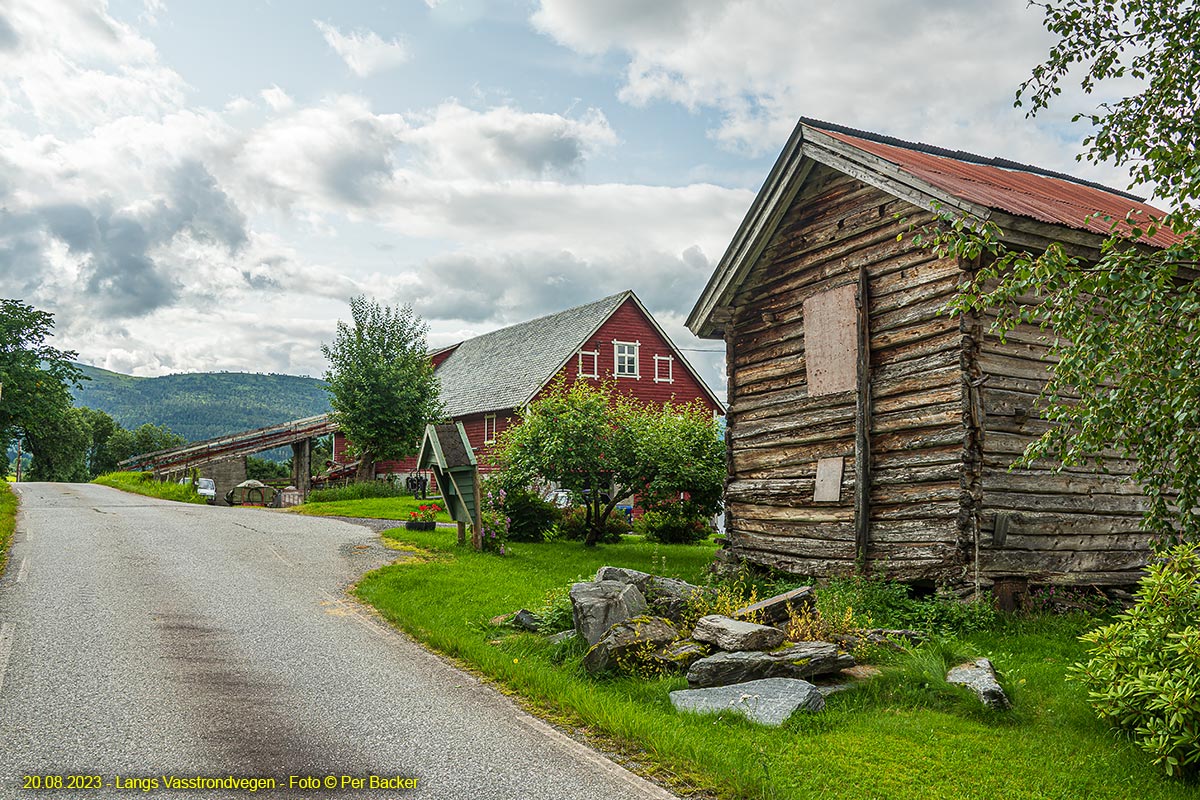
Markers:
486,379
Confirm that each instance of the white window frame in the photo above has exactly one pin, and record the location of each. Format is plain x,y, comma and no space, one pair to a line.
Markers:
637,360
489,418
595,373
670,369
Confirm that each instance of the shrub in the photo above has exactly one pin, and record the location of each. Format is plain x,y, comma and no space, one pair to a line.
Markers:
357,491
572,524
722,597
673,525
530,517
877,602
556,610
1142,675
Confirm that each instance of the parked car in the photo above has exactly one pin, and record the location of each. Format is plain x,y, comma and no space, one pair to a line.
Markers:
205,487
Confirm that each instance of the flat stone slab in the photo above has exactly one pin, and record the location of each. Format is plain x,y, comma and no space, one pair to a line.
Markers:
803,660
980,677
733,635
778,609
768,702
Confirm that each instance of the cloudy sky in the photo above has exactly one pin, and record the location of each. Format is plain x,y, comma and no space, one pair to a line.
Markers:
196,186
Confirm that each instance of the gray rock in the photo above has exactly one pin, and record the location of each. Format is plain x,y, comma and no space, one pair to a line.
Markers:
778,609
733,635
626,639
678,656
598,605
670,597
527,620
803,660
768,702
980,677
636,577
561,636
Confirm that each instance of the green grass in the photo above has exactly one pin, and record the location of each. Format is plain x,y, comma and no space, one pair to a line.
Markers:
371,508
8,521
144,483
908,735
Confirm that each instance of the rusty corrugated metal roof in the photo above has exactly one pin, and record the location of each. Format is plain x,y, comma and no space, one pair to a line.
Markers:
1014,188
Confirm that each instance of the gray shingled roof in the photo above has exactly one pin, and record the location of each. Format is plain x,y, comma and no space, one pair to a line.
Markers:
504,368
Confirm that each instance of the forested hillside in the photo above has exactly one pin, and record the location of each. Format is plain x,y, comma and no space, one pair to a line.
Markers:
204,404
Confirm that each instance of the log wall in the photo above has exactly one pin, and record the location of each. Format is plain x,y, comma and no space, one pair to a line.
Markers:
1075,525
777,431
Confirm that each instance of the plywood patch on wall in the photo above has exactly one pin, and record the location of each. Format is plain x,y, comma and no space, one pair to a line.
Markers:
829,480
831,340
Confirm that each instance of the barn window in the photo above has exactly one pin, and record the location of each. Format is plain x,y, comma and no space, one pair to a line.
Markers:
664,369
489,429
625,354
589,363
831,341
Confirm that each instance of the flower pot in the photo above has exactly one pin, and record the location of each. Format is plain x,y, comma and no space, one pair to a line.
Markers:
419,525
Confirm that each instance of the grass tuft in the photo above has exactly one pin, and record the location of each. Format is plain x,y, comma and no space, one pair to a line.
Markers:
8,521
144,483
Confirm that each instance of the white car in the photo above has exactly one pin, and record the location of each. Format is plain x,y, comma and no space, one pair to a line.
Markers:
205,487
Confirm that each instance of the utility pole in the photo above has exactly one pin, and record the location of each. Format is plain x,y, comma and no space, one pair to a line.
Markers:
18,461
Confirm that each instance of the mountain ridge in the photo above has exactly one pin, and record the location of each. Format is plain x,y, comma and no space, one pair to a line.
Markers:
202,405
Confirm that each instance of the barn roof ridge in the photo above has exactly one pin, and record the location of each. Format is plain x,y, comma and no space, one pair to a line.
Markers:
965,156
505,367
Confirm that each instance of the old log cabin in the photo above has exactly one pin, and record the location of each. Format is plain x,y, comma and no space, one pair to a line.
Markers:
866,426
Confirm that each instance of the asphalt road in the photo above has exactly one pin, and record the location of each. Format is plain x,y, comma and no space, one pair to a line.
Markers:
141,638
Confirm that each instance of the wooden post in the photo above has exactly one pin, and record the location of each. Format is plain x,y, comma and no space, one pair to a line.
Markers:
462,533
862,440
18,460
477,534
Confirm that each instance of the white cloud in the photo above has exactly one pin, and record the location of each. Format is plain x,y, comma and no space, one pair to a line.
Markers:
364,52
277,99
944,71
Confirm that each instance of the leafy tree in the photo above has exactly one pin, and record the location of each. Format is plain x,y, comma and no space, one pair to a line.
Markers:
381,382
146,438
101,427
1126,320
59,443
599,444
262,469
35,376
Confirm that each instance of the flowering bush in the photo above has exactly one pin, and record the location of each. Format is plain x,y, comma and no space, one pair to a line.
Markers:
495,522
425,513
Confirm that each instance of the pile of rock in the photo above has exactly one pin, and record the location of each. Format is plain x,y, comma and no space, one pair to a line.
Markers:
630,615
733,663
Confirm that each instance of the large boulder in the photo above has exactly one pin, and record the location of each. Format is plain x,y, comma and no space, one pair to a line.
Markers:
803,660
667,597
636,638
778,609
768,702
598,605
624,575
980,677
733,634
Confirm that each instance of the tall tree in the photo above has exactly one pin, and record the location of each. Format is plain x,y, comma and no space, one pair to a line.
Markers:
36,378
1126,352
604,447
60,443
381,382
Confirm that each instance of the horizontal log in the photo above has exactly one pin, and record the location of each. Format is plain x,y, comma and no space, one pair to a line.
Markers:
1091,504
1063,523
1041,482
1007,561
820,513
1127,541
937,509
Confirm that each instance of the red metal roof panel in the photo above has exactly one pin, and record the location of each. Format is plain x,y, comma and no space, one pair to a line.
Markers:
1027,194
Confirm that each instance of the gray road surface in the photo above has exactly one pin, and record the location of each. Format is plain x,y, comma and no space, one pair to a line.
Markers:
140,638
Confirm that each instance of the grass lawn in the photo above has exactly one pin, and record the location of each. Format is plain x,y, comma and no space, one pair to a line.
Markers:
889,739
142,483
8,521
371,508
